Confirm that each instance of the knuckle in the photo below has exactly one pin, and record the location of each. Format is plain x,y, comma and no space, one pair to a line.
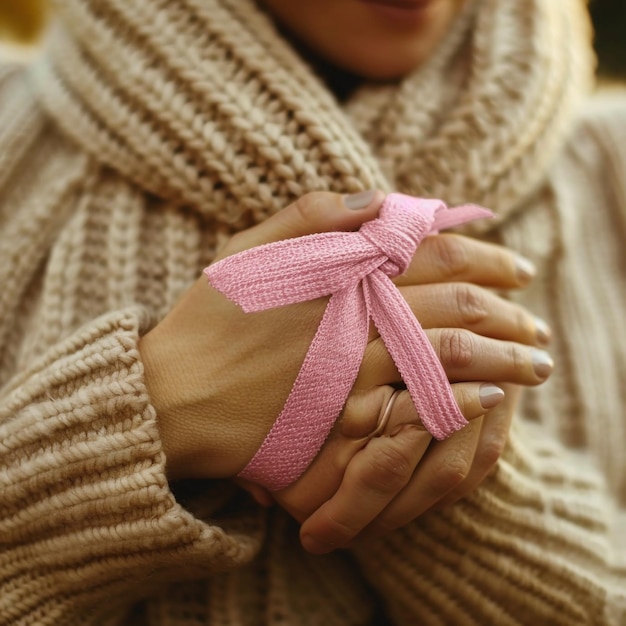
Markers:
470,302
522,323
305,205
389,468
456,348
339,532
518,359
495,438
491,451
451,473
452,253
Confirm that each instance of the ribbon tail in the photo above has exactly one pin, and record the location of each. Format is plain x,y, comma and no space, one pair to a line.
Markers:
318,394
414,357
456,216
293,270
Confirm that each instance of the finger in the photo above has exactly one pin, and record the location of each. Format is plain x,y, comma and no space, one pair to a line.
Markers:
316,212
465,356
444,466
464,305
372,479
363,409
493,437
350,434
462,461
381,469
451,257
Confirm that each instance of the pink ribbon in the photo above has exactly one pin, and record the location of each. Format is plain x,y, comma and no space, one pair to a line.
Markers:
355,269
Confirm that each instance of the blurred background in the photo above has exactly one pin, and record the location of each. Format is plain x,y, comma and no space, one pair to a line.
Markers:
22,21
609,17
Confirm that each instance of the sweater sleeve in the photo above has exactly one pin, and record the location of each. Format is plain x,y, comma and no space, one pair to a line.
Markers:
88,521
533,545
543,540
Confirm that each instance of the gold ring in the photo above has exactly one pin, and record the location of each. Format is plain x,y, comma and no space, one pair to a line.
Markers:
386,414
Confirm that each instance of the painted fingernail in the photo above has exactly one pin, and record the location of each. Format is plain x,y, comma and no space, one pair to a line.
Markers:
542,331
490,395
526,269
312,545
360,200
542,363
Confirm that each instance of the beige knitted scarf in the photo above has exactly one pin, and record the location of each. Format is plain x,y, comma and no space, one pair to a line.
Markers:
203,102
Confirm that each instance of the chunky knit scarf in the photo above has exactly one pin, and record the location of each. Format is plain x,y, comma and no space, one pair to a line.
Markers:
202,102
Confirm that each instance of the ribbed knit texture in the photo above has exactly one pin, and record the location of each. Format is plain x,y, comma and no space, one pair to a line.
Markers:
148,134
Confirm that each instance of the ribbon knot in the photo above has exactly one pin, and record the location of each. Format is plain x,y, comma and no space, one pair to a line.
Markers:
355,270
398,231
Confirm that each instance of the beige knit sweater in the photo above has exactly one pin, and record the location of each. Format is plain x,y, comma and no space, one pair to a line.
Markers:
147,134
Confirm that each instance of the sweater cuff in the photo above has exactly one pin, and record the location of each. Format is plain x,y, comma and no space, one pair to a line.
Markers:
86,509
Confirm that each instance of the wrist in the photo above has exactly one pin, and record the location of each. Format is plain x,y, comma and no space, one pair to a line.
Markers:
198,442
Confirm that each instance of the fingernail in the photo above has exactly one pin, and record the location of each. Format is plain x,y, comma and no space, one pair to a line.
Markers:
360,200
526,269
490,395
542,363
314,546
543,332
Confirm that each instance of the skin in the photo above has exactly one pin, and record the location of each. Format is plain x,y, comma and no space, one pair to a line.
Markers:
216,398
364,38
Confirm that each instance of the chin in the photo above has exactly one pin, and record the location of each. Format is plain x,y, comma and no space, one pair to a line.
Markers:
378,63
374,39
380,71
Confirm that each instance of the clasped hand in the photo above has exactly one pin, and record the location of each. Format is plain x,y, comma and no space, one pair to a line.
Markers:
218,378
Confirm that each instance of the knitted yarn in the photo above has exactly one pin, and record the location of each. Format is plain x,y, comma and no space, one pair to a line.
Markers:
202,102
148,133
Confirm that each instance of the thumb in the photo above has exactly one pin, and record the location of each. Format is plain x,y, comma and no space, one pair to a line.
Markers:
316,212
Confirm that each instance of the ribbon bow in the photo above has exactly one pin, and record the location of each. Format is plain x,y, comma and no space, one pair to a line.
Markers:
355,269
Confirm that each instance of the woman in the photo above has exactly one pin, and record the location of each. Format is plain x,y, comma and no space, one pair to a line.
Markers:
144,138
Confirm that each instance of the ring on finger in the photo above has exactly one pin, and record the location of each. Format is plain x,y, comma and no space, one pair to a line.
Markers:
385,414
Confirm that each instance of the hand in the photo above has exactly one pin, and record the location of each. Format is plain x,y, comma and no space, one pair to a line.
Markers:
446,471
208,365
218,377
392,480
